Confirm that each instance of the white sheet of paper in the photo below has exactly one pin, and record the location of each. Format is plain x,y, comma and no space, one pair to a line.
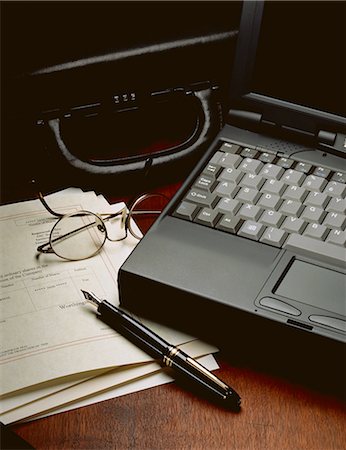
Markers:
148,381
47,330
88,391
43,341
141,378
38,391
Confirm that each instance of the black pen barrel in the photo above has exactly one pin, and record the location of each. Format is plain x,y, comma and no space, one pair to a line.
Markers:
133,330
187,369
205,379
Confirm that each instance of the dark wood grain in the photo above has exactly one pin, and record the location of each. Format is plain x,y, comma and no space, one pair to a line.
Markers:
278,412
275,415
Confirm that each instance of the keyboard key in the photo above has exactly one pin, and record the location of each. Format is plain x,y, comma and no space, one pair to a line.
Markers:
227,147
216,157
339,177
318,199
272,171
321,172
314,183
202,198
316,231
303,167
267,157
335,189
249,153
212,170
313,214
293,225
293,177
228,206
274,236
274,187
291,208
248,195
207,217
295,193
337,205
337,237
230,160
205,183
252,230
250,165
252,181
335,220
269,201
314,248
286,163
231,174
249,212
271,218
226,189
186,210
229,223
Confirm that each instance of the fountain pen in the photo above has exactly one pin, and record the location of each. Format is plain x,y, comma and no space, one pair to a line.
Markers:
186,368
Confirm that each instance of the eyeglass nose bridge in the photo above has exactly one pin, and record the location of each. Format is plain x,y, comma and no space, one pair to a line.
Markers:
121,217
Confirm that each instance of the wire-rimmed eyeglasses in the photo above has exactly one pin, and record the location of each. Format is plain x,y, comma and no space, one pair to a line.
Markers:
81,234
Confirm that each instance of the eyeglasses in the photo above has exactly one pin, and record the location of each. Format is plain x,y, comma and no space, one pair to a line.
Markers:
82,234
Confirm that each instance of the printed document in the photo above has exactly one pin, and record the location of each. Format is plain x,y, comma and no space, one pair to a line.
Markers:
47,330
54,353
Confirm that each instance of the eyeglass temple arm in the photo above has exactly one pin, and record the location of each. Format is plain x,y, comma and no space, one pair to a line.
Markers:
48,208
42,248
133,213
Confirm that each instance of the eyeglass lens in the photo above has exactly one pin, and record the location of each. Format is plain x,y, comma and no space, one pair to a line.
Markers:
144,212
81,235
78,236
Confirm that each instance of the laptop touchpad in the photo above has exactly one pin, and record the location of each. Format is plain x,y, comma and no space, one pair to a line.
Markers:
315,286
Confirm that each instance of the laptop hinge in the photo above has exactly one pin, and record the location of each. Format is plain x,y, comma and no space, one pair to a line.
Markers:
249,118
244,118
239,115
326,137
328,141
332,142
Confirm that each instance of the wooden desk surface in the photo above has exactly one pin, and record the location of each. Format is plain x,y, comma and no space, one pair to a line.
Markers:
278,412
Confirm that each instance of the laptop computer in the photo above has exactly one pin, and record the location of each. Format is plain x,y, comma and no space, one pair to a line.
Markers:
254,242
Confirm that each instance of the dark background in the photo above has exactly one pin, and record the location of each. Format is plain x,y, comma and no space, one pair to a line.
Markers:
39,35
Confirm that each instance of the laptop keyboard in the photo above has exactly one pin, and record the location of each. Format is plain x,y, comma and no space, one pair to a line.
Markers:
274,200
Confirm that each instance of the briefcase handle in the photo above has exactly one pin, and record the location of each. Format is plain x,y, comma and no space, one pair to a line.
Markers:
208,123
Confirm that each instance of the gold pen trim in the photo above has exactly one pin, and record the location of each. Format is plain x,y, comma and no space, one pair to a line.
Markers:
167,359
207,373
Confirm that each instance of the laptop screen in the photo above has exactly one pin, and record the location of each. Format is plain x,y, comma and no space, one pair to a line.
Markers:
301,54
290,63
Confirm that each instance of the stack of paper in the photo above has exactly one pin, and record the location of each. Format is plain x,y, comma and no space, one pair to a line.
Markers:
55,355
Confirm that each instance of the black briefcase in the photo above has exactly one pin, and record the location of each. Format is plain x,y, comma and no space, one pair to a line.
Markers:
105,95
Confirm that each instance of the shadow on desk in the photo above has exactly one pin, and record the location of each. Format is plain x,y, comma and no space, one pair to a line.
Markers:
281,351
315,365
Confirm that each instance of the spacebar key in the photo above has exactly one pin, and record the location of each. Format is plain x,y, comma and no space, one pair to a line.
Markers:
323,251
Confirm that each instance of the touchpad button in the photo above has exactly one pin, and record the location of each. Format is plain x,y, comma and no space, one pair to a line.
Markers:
316,286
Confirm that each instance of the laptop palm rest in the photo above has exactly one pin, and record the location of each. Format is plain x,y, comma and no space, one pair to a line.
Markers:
240,279
223,271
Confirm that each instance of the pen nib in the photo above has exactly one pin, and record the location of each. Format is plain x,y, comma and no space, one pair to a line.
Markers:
91,298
